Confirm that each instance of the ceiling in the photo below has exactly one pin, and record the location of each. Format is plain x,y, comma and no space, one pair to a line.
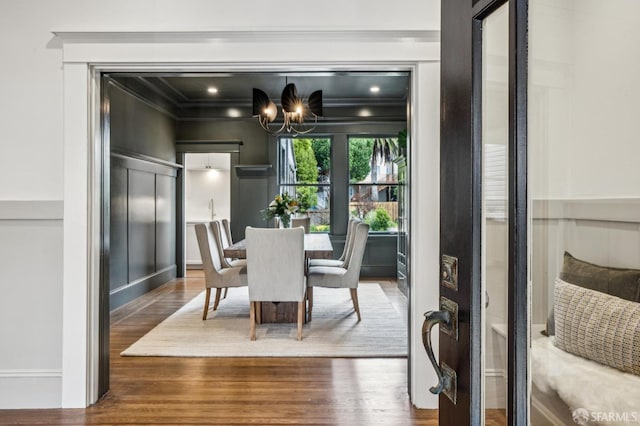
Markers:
346,95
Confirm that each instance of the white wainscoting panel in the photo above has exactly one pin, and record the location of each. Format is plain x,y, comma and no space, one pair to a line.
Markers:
31,306
601,231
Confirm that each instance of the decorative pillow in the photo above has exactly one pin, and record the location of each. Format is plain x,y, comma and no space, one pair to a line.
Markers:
597,326
619,282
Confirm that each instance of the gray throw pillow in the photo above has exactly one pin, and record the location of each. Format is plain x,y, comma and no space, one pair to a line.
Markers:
620,282
597,326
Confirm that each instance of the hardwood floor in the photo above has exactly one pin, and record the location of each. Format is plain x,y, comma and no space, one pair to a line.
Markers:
231,391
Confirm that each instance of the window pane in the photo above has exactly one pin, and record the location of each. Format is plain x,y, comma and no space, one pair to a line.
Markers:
304,173
494,266
373,175
381,215
305,160
367,167
584,211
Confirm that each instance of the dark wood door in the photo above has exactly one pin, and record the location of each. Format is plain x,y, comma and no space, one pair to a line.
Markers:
459,215
461,209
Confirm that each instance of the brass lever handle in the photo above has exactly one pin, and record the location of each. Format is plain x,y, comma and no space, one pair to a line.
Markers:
432,318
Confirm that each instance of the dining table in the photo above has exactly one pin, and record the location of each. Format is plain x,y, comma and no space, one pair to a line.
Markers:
316,246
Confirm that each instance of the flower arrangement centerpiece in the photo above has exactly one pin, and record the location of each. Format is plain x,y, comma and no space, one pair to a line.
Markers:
282,206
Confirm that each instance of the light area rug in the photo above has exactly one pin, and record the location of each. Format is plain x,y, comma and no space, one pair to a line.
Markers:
333,332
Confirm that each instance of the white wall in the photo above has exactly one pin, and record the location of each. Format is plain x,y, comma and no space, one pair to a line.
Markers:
583,92
201,187
606,92
31,118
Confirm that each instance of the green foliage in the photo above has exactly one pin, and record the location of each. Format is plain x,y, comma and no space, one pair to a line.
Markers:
402,139
322,150
306,164
307,197
320,228
360,151
384,149
307,172
378,219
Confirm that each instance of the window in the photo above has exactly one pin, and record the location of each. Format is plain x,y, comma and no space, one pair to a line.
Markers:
373,182
305,173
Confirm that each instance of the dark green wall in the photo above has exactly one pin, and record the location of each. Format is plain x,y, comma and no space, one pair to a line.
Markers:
139,128
142,226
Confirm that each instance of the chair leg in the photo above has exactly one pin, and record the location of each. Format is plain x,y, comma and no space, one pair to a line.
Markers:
206,305
226,290
354,299
310,299
252,320
300,318
217,301
259,312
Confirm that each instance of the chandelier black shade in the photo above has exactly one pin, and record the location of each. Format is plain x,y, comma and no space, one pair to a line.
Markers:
294,110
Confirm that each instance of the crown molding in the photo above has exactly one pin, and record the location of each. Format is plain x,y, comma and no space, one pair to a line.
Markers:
248,35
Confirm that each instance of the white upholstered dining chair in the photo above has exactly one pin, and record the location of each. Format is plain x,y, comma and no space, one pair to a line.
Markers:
226,226
220,235
215,275
221,239
275,270
341,277
348,244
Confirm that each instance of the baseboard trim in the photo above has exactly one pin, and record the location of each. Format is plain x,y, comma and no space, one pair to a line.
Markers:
30,388
128,292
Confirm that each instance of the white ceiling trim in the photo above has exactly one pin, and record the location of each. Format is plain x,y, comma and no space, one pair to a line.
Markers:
234,46
248,35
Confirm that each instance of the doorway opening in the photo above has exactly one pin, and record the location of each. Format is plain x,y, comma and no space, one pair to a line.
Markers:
207,196
186,125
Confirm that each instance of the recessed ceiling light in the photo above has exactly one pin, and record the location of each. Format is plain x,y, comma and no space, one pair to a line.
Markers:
374,89
364,113
212,90
234,112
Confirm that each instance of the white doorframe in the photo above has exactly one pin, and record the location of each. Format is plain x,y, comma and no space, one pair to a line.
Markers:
86,55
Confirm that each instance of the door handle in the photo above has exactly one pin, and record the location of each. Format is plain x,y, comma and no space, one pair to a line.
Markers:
447,318
432,318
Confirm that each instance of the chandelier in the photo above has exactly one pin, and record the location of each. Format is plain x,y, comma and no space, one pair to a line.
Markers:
294,110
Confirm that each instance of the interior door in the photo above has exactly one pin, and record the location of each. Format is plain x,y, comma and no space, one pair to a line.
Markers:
483,211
